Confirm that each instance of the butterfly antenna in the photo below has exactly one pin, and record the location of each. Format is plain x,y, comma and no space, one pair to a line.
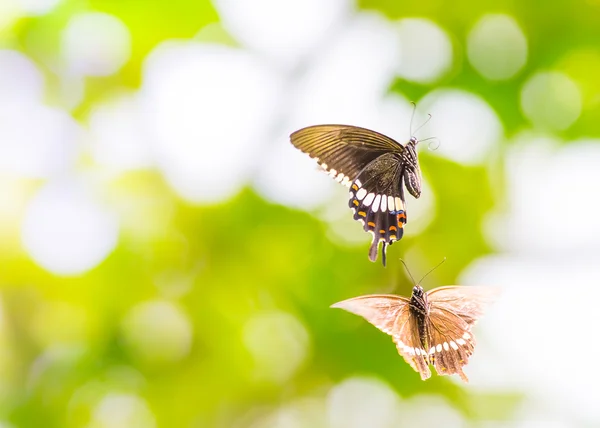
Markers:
407,270
435,267
429,146
411,121
424,123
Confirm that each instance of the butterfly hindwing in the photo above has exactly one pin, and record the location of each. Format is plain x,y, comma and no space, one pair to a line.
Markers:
451,342
452,313
409,345
377,200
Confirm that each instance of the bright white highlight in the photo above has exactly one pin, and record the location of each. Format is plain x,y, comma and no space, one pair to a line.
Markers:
362,402
209,109
469,126
96,44
66,232
117,135
285,31
426,50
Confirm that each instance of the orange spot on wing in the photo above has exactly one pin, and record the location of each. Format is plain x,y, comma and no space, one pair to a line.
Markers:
371,224
354,186
382,231
355,202
393,228
362,213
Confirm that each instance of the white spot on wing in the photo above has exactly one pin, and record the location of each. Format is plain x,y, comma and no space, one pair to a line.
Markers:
461,341
432,350
439,347
446,347
361,194
376,202
358,183
369,199
453,345
467,336
390,202
383,203
399,205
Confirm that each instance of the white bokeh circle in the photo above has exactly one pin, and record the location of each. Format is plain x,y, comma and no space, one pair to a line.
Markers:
209,109
66,231
37,141
158,332
497,47
551,100
95,44
467,127
426,50
283,30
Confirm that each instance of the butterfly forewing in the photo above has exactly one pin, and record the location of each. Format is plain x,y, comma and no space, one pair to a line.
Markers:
382,310
343,149
391,315
467,302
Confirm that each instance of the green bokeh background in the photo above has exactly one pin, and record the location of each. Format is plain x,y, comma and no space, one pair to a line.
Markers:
65,343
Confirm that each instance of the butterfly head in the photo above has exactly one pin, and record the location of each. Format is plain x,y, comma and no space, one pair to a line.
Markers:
413,141
418,291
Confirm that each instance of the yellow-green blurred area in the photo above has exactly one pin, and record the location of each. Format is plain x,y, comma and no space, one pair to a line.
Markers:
168,259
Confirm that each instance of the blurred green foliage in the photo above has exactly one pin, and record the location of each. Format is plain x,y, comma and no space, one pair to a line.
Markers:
65,342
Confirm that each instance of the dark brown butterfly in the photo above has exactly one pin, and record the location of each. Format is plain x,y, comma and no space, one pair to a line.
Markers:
374,167
429,328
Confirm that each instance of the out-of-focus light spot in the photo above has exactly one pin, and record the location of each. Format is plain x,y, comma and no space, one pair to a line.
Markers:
209,108
36,141
66,232
430,411
286,31
540,172
551,100
60,323
96,44
10,11
583,66
117,410
158,332
118,139
350,78
534,310
291,178
279,344
466,126
37,7
426,50
362,402
20,79
497,47
301,413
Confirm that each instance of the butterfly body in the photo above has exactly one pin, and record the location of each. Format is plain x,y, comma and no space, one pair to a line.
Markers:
375,167
430,328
